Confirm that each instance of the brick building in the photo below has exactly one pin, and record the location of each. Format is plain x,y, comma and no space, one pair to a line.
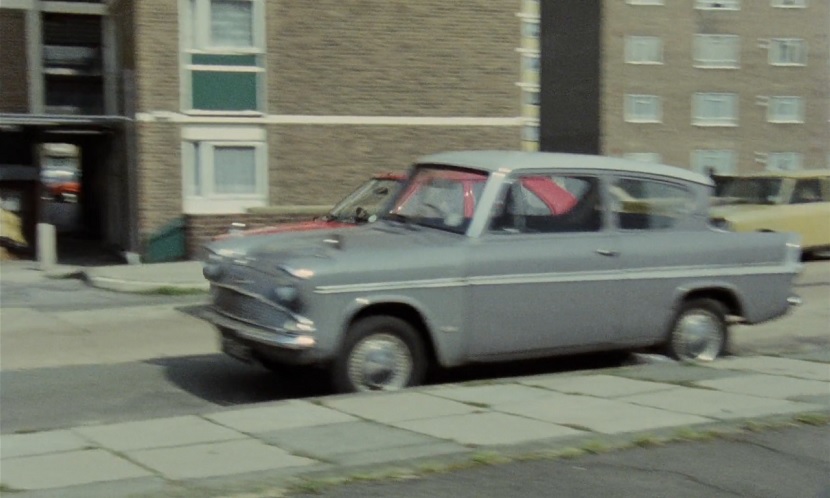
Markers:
734,85
211,111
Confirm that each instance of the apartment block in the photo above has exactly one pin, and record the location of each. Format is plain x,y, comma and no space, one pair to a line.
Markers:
732,86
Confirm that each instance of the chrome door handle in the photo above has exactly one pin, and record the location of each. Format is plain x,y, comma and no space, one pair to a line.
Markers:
607,252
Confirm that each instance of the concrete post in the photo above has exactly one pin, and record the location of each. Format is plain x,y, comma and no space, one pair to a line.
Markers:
47,250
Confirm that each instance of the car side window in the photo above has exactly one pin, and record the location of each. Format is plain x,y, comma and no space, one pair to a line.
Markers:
807,191
643,204
548,204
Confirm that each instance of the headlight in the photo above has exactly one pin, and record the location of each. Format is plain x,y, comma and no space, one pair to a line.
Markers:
287,295
212,271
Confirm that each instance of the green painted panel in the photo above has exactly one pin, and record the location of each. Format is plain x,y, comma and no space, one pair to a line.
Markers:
222,91
223,60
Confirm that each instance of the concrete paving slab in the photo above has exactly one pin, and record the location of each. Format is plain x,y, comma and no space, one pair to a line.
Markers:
217,459
820,400
392,407
820,356
768,386
600,415
599,385
673,373
777,366
488,395
39,443
487,429
333,439
71,468
402,454
290,414
157,433
144,487
716,404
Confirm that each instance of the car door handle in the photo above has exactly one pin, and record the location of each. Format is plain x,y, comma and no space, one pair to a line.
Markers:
607,252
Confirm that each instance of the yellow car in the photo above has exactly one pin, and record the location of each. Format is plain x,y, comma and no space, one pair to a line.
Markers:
786,201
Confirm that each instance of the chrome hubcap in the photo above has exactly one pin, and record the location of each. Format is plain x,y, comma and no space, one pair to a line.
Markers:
380,362
698,336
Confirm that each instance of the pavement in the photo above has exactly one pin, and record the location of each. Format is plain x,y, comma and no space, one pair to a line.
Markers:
281,445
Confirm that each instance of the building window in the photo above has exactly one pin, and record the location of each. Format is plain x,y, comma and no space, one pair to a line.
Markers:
718,4
708,161
715,109
225,56
643,50
787,52
530,67
224,169
530,103
790,4
784,161
644,157
530,136
717,51
643,109
530,35
785,110
530,8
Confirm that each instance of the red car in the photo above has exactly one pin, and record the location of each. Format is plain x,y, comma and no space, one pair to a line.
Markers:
452,186
354,209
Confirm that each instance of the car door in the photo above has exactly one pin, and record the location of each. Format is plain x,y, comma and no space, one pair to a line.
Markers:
539,279
662,245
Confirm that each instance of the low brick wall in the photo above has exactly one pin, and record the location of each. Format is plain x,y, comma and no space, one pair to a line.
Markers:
200,228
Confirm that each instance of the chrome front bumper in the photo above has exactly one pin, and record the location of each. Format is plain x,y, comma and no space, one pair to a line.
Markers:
794,300
278,338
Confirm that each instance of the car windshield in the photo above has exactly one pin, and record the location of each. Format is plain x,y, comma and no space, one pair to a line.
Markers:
439,197
753,191
365,201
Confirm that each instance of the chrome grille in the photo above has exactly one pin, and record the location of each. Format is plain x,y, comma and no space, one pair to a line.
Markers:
246,308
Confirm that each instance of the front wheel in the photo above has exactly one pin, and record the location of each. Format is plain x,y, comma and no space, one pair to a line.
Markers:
381,353
699,331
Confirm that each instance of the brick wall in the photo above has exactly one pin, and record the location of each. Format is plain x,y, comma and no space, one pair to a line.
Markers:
159,175
156,54
14,84
396,57
321,164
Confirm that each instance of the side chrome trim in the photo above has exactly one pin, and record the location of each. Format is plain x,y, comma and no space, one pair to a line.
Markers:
563,277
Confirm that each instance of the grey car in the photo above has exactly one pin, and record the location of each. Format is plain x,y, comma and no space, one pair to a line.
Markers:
549,254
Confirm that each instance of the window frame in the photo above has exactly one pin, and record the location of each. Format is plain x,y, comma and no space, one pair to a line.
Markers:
628,111
699,62
195,26
198,146
774,101
630,50
731,5
698,120
698,160
772,160
772,50
779,4
644,157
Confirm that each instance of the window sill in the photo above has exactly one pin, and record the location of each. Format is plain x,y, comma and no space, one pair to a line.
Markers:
715,66
643,121
708,124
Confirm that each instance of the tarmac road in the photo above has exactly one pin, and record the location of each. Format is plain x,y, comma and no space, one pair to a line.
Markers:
74,355
793,462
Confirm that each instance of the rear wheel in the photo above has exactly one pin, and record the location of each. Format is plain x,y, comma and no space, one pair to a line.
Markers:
381,353
699,331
